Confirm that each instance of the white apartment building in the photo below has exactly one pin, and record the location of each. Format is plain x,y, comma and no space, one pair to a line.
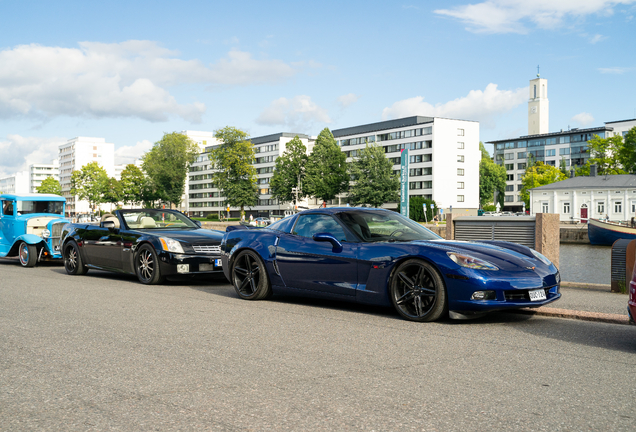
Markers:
15,184
443,157
39,172
444,164
203,198
76,153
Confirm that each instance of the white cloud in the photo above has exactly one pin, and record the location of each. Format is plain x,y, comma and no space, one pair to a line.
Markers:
583,119
509,16
128,154
128,79
597,38
18,152
483,106
613,70
298,112
348,99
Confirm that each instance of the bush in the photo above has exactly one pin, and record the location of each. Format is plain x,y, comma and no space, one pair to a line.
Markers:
489,207
416,209
213,216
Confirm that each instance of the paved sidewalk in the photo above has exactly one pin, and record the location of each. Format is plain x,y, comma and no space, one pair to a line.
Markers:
586,302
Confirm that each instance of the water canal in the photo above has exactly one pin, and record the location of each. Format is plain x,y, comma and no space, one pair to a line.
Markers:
585,263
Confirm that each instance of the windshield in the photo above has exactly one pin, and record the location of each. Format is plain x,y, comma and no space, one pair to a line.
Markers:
156,219
379,226
28,207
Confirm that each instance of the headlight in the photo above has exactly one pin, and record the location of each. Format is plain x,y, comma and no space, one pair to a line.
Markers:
471,262
46,233
541,257
171,245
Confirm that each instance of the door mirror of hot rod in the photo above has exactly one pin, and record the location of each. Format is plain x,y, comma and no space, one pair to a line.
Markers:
326,237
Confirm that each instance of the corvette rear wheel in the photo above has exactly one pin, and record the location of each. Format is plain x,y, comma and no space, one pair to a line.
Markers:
28,254
73,261
249,277
147,266
418,292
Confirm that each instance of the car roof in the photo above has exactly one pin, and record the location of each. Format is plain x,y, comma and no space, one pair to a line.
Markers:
334,210
33,197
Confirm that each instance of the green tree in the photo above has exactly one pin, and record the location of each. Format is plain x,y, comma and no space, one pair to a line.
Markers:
132,184
492,177
562,166
235,176
627,154
484,152
90,183
416,209
113,192
605,153
167,165
373,177
326,174
290,172
539,175
50,186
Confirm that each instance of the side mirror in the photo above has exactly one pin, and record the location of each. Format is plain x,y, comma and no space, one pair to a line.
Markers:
109,224
326,237
198,223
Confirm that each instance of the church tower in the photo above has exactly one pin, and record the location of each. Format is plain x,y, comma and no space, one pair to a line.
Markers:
538,108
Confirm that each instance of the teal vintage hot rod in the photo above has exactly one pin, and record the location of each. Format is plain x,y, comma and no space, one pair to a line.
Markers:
30,227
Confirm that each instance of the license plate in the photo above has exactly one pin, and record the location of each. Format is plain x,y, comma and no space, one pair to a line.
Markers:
536,295
218,263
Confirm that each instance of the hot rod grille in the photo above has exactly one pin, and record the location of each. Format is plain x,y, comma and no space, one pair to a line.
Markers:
216,249
56,232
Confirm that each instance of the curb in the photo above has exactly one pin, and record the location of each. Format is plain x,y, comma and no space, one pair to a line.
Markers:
573,314
605,287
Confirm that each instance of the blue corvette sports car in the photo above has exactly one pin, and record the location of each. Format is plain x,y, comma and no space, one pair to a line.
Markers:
379,257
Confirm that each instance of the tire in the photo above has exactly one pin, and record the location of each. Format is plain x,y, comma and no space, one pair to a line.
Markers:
147,266
249,276
73,260
28,254
418,292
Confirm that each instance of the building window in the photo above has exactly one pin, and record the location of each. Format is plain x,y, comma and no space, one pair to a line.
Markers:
519,176
544,207
460,158
521,166
460,132
551,152
510,177
509,198
521,155
633,207
509,156
519,187
460,145
509,167
460,185
460,171
618,207
460,198
510,188
600,207
566,208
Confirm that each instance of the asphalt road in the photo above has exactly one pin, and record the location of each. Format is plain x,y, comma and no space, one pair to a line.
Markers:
103,352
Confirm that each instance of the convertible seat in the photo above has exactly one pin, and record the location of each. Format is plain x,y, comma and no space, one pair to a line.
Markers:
111,218
147,222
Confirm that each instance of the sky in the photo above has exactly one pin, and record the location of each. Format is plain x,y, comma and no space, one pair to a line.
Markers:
130,71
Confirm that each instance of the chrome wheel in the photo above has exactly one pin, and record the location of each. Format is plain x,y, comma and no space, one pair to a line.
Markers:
418,292
27,254
147,266
71,259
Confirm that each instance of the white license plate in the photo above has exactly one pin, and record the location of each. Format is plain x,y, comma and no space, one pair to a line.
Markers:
218,263
536,295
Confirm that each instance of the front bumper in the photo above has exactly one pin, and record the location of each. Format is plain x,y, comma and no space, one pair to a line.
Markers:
189,264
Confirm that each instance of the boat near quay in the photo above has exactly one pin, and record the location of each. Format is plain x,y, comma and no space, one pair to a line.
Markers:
605,233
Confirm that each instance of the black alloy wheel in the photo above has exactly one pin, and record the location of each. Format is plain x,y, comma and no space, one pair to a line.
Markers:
73,261
28,254
418,292
249,277
147,266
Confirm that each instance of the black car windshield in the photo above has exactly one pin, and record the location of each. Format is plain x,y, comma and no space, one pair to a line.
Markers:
384,225
156,219
28,207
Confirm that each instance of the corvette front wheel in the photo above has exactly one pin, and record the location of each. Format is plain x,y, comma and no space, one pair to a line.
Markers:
249,277
418,292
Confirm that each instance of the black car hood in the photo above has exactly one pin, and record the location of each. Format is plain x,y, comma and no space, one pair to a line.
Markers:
192,236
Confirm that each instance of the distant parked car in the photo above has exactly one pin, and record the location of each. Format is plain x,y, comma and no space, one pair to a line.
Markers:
31,226
261,221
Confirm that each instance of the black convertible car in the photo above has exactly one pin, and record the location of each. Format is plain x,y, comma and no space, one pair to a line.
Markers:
151,244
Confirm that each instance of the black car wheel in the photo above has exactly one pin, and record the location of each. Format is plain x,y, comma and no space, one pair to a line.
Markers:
73,261
250,277
28,254
147,266
418,292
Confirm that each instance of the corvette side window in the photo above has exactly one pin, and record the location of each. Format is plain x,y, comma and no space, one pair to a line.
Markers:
308,225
